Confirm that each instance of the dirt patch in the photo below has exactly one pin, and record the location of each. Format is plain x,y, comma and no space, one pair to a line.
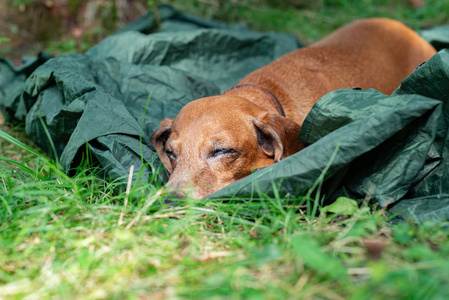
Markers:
31,27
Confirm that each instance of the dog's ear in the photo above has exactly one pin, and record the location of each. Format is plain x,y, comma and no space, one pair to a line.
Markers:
159,138
277,136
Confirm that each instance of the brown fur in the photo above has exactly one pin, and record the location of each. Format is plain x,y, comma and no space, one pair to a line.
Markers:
218,140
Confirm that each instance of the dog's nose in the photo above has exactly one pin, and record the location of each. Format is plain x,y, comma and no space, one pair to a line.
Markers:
173,197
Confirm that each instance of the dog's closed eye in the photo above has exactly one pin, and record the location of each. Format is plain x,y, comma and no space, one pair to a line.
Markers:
222,151
170,154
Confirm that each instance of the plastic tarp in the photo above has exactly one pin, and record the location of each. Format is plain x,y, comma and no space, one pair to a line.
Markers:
109,100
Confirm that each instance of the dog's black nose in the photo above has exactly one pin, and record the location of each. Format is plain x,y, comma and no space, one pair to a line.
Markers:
173,197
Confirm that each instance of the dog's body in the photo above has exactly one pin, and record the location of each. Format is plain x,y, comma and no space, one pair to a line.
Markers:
217,140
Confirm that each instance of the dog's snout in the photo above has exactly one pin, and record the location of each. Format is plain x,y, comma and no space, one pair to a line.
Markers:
173,197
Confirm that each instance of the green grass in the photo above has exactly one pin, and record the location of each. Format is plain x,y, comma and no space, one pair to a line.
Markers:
84,237
312,20
75,238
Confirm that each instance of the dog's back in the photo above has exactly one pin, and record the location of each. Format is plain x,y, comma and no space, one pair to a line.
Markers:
370,53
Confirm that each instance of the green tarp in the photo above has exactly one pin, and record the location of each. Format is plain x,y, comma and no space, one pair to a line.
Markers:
110,100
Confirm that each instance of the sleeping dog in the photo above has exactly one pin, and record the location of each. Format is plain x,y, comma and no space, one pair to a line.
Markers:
217,140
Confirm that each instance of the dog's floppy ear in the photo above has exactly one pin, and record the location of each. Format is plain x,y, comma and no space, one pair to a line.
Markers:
159,138
277,136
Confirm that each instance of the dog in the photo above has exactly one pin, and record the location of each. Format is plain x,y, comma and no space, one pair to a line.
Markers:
217,140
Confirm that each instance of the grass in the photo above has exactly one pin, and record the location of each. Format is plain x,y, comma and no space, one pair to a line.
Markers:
84,237
309,20
74,237
312,20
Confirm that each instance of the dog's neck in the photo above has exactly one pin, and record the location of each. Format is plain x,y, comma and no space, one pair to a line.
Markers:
267,99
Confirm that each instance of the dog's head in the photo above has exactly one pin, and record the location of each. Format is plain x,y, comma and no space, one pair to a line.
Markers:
217,140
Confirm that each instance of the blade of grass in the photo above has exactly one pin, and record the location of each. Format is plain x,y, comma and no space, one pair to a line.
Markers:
128,189
12,140
150,202
50,140
23,167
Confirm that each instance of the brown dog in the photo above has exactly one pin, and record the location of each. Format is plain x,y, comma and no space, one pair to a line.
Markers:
217,140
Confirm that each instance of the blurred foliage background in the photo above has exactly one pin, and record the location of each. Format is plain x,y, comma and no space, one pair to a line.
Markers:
65,26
